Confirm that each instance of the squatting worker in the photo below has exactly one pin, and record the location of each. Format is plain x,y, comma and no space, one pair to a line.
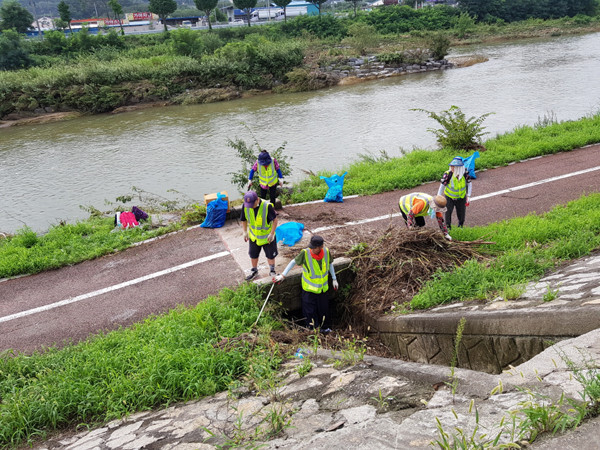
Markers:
456,187
259,221
269,175
316,268
414,207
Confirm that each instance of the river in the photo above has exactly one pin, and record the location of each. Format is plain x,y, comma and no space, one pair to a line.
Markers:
47,171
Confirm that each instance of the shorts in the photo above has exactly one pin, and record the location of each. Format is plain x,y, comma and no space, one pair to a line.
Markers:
270,249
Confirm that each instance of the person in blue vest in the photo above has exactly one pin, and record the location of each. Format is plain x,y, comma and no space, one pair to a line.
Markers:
259,221
456,187
316,268
269,175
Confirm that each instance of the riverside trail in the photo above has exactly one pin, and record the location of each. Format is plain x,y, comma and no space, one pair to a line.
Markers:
117,290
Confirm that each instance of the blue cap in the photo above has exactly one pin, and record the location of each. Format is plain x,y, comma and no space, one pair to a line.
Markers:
457,161
264,159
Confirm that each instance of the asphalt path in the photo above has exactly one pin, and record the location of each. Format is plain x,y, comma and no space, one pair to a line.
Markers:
183,268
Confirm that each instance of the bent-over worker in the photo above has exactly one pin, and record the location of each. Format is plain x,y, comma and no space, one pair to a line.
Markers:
316,268
414,207
259,221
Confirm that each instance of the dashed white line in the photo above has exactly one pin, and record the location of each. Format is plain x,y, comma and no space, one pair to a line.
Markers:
112,288
225,253
479,197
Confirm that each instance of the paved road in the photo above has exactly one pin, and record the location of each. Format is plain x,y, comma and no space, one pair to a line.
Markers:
119,289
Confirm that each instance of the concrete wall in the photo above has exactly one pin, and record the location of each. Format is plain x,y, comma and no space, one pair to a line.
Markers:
491,340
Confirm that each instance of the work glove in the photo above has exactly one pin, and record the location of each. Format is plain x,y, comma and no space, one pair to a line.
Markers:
270,237
249,184
280,182
468,201
279,278
245,236
447,236
335,285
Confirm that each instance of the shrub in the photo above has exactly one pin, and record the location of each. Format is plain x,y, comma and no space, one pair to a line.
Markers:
457,131
12,51
186,42
464,25
439,44
320,26
361,37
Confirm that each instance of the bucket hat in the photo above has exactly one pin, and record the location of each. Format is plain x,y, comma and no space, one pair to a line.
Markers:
457,161
439,201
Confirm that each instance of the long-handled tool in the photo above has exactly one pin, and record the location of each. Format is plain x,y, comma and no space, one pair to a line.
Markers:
264,304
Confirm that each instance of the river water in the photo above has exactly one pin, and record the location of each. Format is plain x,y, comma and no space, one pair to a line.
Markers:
47,171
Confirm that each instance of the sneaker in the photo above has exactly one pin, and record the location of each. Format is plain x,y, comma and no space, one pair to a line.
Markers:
326,331
253,274
273,273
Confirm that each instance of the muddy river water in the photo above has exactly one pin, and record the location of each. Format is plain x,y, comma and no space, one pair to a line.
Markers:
47,171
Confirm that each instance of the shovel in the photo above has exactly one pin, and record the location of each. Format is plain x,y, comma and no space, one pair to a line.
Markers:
264,304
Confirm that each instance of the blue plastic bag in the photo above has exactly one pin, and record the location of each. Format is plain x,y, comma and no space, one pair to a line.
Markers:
216,213
336,186
290,233
470,164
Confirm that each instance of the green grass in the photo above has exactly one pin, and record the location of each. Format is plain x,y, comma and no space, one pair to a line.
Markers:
373,175
26,252
152,364
525,248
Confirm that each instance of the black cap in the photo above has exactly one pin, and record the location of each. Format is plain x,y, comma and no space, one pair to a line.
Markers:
315,241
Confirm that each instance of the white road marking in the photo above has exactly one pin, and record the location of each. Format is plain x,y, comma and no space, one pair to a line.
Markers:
112,288
479,197
225,253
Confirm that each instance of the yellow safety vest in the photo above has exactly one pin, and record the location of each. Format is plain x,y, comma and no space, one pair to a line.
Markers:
267,175
406,203
258,227
456,188
315,276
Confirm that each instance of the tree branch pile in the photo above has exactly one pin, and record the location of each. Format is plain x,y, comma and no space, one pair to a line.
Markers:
391,267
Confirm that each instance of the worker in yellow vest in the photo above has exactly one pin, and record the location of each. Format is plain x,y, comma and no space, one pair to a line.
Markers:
414,207
269,175
259,221
316,268
456,187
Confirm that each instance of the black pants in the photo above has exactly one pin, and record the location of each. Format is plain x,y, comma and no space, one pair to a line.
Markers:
419,220
461,209
272,190
315,309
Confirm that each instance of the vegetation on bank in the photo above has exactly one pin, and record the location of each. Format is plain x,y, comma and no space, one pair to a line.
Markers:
101,73
186,354
65,244
524,249
381,173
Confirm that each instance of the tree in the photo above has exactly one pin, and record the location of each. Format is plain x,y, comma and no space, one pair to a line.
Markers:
15,16
318,4
163,8
246,6
65,14
118,10
283,4
206,6
355,4
12,54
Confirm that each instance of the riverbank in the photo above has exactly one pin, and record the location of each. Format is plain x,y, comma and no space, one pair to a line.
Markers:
129,82
66,244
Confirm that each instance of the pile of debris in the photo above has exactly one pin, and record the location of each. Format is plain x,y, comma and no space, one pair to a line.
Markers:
391,267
